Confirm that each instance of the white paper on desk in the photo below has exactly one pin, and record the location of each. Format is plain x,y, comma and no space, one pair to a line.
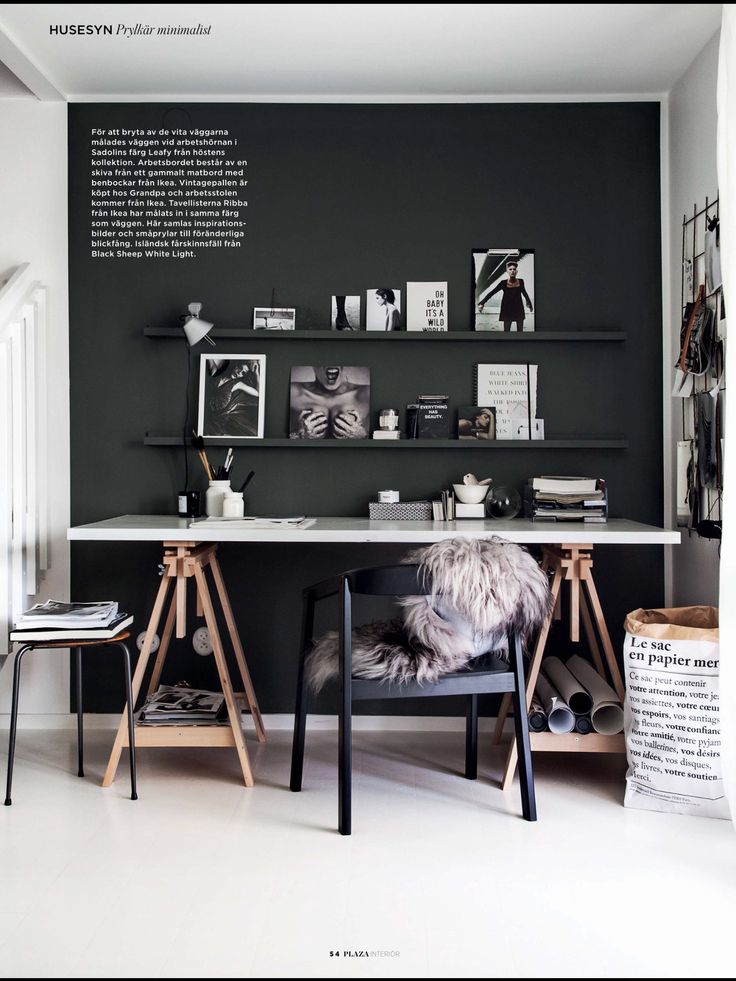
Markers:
273,519
607,714
296,523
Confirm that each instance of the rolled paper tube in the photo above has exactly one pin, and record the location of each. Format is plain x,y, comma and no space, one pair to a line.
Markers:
583,725
537,717
607,715
559,717
568,686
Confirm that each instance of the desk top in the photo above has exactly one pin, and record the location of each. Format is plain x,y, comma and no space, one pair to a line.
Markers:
160,528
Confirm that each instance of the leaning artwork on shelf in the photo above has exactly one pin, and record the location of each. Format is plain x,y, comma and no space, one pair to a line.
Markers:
383,309
232,395
274,318
503,289
476,422
345,313
330,402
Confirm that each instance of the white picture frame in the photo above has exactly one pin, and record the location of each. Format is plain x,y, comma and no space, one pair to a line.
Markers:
232,396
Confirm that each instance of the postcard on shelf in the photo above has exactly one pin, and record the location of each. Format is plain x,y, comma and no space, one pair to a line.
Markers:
332,402
512,390
383,309
476,422
503,294
274,318
345,313
232,395
426,307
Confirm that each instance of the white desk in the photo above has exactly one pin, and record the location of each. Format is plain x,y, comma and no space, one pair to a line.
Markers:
165,528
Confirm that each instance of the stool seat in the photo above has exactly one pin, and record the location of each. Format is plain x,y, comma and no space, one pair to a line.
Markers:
79,641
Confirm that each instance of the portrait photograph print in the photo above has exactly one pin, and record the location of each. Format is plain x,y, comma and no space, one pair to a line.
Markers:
383,309
329,402
503,289
274,318
232,395
476,422
345,313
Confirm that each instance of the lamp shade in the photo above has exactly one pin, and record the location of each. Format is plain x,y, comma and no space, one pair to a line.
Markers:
196,330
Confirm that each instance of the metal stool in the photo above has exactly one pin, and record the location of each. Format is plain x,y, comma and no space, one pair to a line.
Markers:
77,643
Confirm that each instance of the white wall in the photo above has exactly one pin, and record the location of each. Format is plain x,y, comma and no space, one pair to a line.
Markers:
33,228
692,177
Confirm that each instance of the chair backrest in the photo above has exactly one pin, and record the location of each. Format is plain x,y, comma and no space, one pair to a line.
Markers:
389,580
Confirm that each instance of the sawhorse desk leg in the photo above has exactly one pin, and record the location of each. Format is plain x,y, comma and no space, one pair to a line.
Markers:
572,564
183,561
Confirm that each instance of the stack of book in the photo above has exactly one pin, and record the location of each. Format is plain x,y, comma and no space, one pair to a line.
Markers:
566,499
174,705
57,620
444,508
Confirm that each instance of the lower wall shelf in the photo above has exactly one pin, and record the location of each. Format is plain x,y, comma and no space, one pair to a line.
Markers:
562,443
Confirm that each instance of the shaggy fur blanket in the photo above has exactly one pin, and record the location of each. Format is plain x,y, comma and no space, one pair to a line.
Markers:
480,589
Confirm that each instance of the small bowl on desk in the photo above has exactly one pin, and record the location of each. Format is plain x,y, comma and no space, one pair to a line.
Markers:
471,493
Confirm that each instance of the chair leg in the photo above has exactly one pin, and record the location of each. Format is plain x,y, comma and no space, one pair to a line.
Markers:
521,727
300,711
14,722
345,764
80,714
131,722
471,737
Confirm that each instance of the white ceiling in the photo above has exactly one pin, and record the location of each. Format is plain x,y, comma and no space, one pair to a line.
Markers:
372,52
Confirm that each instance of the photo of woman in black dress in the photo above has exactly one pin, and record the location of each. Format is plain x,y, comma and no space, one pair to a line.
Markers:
516,293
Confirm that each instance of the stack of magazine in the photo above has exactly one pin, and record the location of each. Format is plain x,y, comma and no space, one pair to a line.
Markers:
566,499
57,620
175,705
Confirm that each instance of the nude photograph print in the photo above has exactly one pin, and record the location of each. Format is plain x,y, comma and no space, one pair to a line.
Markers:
329,402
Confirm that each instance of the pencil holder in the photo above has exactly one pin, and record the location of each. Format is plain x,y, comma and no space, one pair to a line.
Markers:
215,496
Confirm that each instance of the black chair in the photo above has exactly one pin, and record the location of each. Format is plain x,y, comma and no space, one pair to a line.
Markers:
77,644
403,580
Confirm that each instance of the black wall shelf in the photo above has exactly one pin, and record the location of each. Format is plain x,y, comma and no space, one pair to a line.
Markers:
399,335
563,443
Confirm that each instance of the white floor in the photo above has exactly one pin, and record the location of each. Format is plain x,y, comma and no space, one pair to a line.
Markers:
203,878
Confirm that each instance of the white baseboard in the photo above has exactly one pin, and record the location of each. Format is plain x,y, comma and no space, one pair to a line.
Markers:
275,722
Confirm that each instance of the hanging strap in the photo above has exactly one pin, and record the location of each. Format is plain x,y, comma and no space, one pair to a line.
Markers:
690,324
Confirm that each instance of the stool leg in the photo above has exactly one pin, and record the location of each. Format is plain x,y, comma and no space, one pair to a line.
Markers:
14,721
131,724
521,726
300,711
80,714
345,757
471,737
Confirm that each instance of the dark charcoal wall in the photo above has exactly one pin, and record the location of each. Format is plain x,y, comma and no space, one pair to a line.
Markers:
344,198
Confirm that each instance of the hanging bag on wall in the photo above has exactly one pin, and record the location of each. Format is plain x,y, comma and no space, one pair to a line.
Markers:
697,344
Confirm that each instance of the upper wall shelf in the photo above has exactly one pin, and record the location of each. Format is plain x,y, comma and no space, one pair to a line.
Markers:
399,335
571,442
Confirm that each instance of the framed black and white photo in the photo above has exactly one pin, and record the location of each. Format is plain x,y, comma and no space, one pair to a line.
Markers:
329,402
476,422
345,314
503,289
274,318
232,395
383,309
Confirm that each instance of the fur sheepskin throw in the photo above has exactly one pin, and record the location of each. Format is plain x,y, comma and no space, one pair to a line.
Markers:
481,588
